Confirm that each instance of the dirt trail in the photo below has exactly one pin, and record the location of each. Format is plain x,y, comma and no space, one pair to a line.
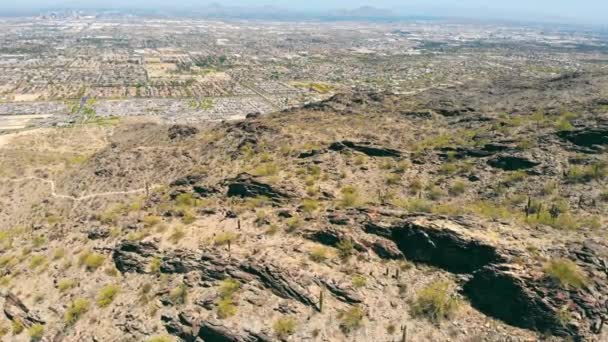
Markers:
54,194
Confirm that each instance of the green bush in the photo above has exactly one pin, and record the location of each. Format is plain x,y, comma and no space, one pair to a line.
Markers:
225,238
346,248
228,287
293,223
179,295
318,254
17,326
566,272
76,310
350,197
266,170
434,193
36,332
310,205
414,205
351,319
435,302
155,265
107,294
284,327
393,179
65,284
226,308
151,220
359,281
457,189
91,260
37,261
177,235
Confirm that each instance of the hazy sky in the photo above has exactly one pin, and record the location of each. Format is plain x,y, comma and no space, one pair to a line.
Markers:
591,11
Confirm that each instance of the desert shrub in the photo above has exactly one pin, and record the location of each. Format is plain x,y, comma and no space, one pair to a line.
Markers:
449,168
435,302
59,253
604,195
491,210
17,326
226,308
293,223
284,327
91,260
585,174
155,265
107,294
228,287
37,261
76,310
310,205
3,330
186,200
38,241
65,284
151,220
514,177
257,202
401,167
416,186
179,295
188,217
177,235
448,209
393,179
414,205
563,125
562,222
266,170
36,332
359,281
318,254
434,193
225,238
350,197
566,272
346,248
457,189
351,319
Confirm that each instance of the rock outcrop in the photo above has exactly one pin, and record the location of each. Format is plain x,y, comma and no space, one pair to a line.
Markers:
366,148
245,186
507,282
190,328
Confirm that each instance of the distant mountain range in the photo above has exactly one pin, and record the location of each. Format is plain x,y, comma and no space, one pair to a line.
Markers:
217,10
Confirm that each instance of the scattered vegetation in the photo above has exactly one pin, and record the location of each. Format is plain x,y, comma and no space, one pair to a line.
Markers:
284,327
226,306
359,281
435,302
319,254
179,295
107,294
36,332
76,310
91,260
566,272
351,319
65,284
350,197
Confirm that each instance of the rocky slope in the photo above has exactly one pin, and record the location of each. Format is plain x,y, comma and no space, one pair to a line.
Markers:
475,213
